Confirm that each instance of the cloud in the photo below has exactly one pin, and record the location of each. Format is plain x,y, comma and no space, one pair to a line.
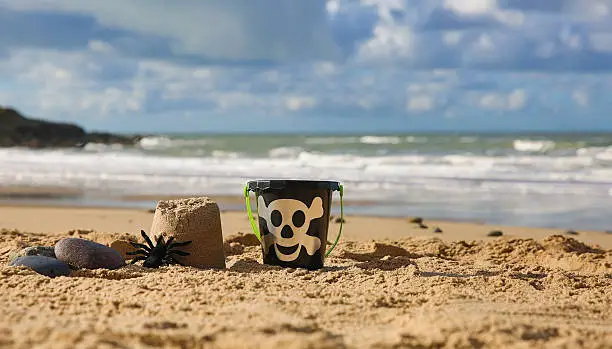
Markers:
420,102
493,35
382,60
580,97
511,101
295,103
238,30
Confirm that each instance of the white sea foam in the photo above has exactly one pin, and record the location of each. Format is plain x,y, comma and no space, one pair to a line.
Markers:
155,142
162,142
285,152
225,154
380,140
530,146
97,147
412,139
369,176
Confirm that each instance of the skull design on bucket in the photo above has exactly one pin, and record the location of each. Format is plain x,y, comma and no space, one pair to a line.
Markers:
288,221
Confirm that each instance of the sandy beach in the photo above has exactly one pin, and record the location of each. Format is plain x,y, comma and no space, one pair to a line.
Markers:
388,284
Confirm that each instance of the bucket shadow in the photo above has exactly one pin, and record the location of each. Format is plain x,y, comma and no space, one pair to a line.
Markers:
250,265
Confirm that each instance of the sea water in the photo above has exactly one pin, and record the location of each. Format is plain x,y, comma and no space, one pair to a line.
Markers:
550,180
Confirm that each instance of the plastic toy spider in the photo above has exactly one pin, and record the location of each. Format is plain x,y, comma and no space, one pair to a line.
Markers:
157,255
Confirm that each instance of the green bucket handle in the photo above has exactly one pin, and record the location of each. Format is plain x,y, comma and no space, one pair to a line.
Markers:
258,234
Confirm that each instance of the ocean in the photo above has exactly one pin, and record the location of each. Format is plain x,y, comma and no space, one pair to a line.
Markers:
544,180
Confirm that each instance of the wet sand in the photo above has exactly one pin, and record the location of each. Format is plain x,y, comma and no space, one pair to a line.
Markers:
49,219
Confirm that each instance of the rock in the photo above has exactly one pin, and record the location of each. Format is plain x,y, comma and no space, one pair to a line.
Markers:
495,233
340,220
87,254
416,220
423,226
109,138
192,219
17,130
123,247
47,251
437,230
43,265
571,232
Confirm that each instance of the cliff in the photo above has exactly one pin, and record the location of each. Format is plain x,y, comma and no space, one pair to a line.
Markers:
18,131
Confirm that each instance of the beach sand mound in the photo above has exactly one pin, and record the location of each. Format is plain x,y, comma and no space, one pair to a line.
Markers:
414,292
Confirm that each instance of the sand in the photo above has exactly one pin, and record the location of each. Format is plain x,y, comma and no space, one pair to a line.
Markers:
49,219
389,284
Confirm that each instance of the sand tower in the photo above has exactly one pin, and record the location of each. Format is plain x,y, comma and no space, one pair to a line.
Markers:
196,219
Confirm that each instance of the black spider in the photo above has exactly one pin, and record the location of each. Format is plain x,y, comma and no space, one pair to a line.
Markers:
157,255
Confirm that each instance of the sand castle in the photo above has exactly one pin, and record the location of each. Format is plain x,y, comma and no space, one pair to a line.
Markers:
197,220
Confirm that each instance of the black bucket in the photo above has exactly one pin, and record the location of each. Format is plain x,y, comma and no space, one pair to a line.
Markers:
293,220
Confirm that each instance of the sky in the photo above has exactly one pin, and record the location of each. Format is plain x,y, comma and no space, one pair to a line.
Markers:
322,66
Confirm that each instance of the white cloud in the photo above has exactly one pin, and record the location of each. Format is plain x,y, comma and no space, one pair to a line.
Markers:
420,103
389,41
99,46
512,101
581,98
295,103
64,83
471,7
235,30
517,100
428,86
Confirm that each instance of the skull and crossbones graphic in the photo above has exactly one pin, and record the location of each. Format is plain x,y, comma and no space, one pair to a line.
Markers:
288,221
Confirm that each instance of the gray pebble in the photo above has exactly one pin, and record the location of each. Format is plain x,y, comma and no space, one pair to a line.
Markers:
43,265
47,251
437,230
571,232
88,254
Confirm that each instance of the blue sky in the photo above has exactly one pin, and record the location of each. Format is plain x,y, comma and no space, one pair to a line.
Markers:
288,65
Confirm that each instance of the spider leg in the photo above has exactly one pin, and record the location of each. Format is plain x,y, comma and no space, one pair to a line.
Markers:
169,242
142,246
177,252
132,253
160,239
139,258
149,242
177,244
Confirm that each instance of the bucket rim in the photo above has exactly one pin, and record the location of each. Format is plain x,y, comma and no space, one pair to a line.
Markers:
264,184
